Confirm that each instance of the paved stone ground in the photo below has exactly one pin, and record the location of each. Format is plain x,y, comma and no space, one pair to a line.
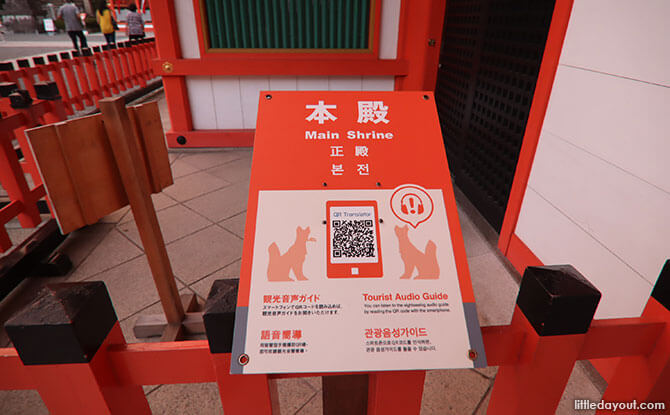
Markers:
202,219
19,45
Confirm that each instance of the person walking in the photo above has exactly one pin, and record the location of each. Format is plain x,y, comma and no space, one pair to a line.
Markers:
107,25
135,23
70,15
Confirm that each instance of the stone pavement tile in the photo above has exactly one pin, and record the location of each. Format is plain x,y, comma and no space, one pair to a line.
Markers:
207,159
475,243
18,235
203,286
186,399
131,286
175,221
194,185
113,250
203,252
128,323
162,201
116,216
314,406
579,386
495,289
236,224
456,391
314,382
81,242
489,372
21,402
181,169
484,405
222,204
294,393
235,171
173,155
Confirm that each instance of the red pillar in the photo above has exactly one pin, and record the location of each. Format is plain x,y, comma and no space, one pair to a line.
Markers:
63,339
240,394
647,378
395,392
554,310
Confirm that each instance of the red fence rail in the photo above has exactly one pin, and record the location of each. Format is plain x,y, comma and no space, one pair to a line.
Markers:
68,82
552,327
16,159
84,78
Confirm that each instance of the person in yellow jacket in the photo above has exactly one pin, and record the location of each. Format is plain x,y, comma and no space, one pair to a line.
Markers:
107,24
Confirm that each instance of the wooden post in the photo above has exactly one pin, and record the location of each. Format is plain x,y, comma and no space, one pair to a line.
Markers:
136,183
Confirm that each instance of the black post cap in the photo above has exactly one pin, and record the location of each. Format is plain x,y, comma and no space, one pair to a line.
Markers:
661,291
38,60
112,46
47,90
86,52
75,54
67,323
53,57
557,300
7,88
23,63
20,99
65,55
6,66
219,315
96,48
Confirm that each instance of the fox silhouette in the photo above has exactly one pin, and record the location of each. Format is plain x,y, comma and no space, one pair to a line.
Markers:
293,259
425,262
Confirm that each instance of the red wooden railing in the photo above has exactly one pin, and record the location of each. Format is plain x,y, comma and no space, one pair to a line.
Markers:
86,77
536,354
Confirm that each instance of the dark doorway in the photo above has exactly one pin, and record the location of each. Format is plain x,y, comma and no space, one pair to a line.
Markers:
489,63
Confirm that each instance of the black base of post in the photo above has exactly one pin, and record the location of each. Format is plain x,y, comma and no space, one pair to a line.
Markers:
34,257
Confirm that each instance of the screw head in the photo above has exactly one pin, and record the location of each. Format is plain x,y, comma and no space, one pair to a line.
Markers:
431,42
268,96
167,67
325,184
243,359
181,140
426,97
472,354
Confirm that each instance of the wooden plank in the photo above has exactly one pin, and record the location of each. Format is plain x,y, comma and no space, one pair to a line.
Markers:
131,166
150,129
173,333
92,168
46,149
154,324
345,394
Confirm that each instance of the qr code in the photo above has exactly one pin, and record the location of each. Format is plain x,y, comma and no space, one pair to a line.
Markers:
353,239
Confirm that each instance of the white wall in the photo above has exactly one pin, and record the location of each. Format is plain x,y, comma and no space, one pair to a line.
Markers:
598,196
231,102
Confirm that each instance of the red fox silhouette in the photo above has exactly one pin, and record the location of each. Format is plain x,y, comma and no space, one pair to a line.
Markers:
426,261
280,265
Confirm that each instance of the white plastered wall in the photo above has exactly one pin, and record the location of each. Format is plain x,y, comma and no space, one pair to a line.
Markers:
598,196
231,102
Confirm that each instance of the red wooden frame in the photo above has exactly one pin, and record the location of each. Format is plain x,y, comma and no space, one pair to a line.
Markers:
415,68
212,54
637,341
